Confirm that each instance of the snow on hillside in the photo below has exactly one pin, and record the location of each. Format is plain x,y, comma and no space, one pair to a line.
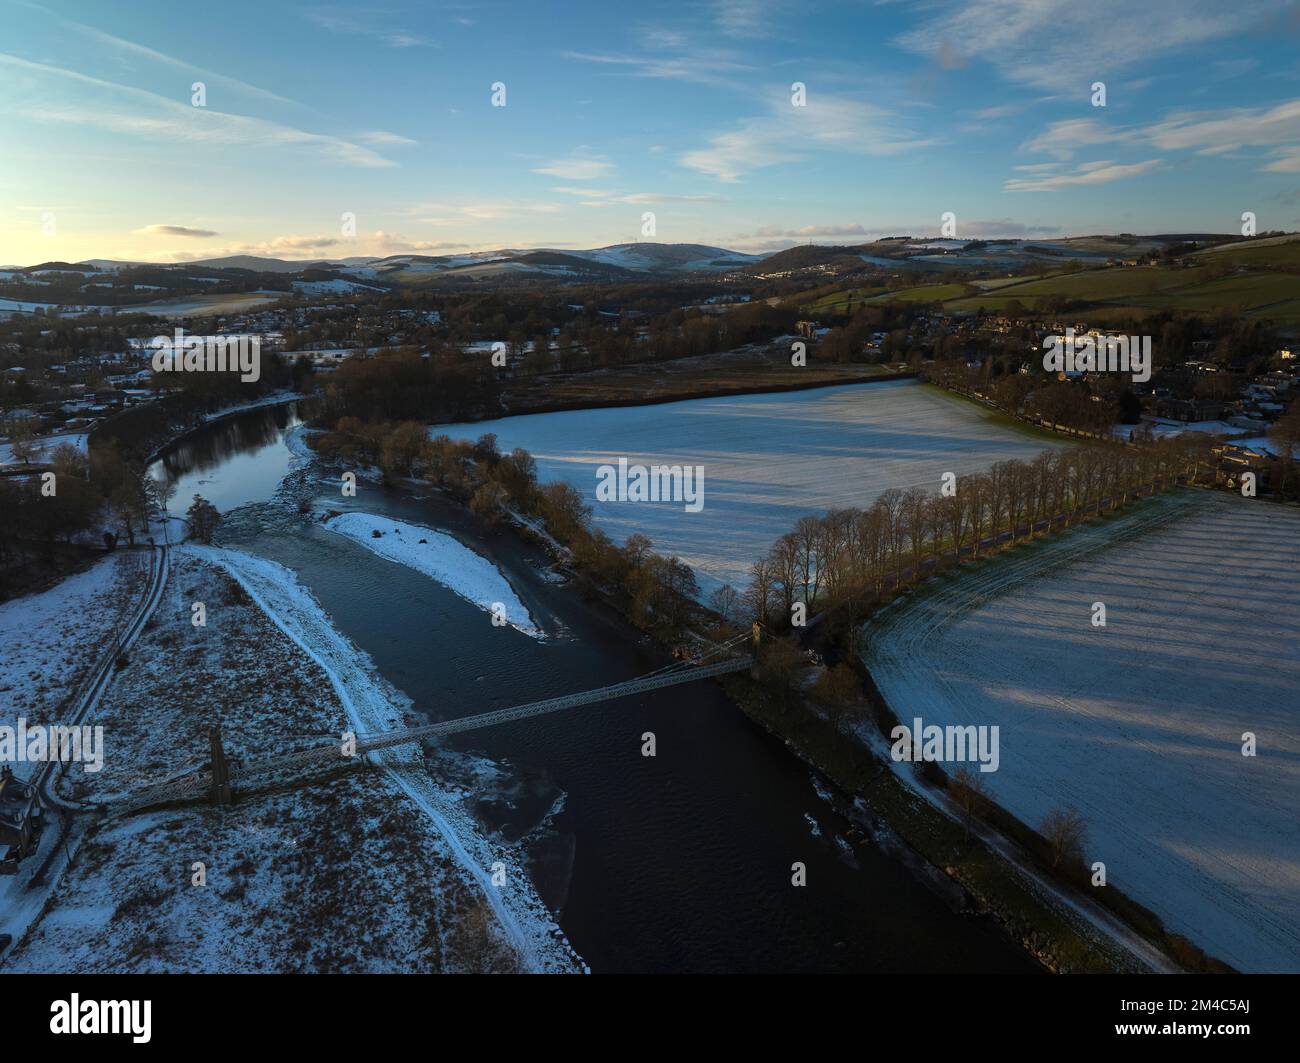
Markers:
666,257
441,558
642,257
337,286
46,638
768,460
1139,725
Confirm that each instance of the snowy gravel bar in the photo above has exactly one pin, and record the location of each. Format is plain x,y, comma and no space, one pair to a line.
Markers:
767,460
1138,724
443,559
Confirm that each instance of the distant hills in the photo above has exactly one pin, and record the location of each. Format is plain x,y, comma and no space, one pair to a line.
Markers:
927,260
629,258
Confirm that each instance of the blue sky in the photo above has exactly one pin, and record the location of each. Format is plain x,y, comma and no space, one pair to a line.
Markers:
385,111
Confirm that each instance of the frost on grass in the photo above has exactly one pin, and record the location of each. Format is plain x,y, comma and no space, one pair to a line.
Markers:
768,460
440,557
346,874
1139,724
49,641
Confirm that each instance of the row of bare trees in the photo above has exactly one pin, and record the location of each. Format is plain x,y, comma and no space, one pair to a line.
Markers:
854,555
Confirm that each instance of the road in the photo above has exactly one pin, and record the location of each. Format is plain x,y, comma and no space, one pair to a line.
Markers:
23,896
96,682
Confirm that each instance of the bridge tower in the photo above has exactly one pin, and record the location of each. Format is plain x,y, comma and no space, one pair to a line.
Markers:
220,768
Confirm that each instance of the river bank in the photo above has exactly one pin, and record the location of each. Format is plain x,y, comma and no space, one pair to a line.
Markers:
375,868
654,884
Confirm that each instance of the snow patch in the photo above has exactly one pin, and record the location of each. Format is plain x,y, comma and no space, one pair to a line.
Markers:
441,558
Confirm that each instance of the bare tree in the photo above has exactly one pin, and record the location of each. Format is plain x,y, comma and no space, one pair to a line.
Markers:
724,601
23,443
836,691
967,789
1066,831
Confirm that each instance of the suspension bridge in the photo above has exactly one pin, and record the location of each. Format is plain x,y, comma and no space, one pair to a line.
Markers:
217,778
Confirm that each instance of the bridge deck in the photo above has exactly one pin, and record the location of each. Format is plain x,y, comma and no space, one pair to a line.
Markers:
198,783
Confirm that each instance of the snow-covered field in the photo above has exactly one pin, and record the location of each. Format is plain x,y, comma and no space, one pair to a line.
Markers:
337,286
442,558
372,870
20,306
49,641
1138,724
185,305
768,460
45,446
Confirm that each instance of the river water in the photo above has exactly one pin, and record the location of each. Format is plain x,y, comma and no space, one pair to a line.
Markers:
678,862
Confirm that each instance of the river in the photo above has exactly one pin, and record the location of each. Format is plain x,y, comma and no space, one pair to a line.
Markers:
677,862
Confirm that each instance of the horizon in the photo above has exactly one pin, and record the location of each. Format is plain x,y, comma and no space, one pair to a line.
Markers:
504,250
986,110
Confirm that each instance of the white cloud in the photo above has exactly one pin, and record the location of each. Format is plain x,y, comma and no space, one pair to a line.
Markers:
1061,139
595,197
140,51
746,18
385,139
1056,44
124,109
1218,132
376,24
702,66
316,247
1092,173
788,134
577,168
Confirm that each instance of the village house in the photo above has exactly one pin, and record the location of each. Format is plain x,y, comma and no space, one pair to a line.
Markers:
1189,410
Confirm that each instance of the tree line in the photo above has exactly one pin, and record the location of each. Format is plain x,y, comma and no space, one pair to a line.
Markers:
656,593
854,556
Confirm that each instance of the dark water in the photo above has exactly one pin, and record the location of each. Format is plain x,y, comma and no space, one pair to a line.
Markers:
239,460
680,862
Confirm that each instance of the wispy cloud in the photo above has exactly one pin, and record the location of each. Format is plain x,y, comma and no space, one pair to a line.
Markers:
601,196
380,25
308,248
747,18
125,109
702,66
577,167
385,139
1062,139
140,51
1059,44
176,230
1092,173
778,237
1215,132
1222,131
789,134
